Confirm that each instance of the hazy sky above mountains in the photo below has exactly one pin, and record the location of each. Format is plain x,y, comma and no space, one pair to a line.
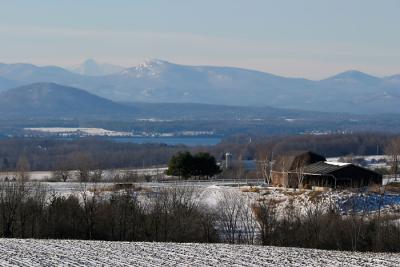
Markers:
313,39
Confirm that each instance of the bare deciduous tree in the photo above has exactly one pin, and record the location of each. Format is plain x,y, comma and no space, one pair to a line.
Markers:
299,172
264,166
239,170
61,175
23,167
236,219
356,216
267,218
229,209
12,195
90,200
96,176
62,171
393,150
313,221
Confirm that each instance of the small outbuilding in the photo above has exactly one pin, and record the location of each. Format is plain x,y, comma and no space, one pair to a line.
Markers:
338,175
308,170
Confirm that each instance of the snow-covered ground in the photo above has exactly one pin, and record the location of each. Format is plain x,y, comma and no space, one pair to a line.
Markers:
79,131
343,201
211,192
302,201
371,161
390,179
107,174
366,157
30,252
34,175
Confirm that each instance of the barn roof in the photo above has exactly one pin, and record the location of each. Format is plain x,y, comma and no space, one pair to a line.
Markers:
324,167
291,159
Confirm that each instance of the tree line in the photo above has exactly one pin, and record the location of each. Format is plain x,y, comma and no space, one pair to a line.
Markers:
29,210
328,145
47,154
44,154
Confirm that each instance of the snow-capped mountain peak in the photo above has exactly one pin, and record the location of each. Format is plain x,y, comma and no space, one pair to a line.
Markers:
149,68
151,63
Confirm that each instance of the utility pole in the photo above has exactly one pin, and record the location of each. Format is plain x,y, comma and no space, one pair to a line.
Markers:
270,167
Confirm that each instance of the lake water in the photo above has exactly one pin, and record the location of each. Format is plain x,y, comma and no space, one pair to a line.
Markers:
188,141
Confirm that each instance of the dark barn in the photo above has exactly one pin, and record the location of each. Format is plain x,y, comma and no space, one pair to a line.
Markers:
338,175
308,170
291,161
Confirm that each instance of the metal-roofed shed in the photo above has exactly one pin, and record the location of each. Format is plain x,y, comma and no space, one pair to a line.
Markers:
336,175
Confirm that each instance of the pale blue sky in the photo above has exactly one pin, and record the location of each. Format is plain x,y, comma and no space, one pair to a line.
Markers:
309,38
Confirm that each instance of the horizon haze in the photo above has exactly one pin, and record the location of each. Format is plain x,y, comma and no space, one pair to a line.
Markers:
311,39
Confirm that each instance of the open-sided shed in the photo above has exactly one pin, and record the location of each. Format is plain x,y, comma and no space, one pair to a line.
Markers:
308,169
338,175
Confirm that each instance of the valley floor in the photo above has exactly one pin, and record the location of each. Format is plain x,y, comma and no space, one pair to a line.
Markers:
30,252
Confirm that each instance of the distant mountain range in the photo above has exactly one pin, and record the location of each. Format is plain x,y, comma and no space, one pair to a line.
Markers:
50,104
54,101
161,81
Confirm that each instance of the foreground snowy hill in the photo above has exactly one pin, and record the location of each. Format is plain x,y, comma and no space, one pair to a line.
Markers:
17,252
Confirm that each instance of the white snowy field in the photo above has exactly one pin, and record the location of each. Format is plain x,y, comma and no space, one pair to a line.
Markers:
82,131
106,174
30,252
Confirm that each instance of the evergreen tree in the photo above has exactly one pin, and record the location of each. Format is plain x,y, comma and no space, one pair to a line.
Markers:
185,165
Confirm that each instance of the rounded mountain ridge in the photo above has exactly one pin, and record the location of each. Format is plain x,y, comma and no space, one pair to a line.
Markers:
53,99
